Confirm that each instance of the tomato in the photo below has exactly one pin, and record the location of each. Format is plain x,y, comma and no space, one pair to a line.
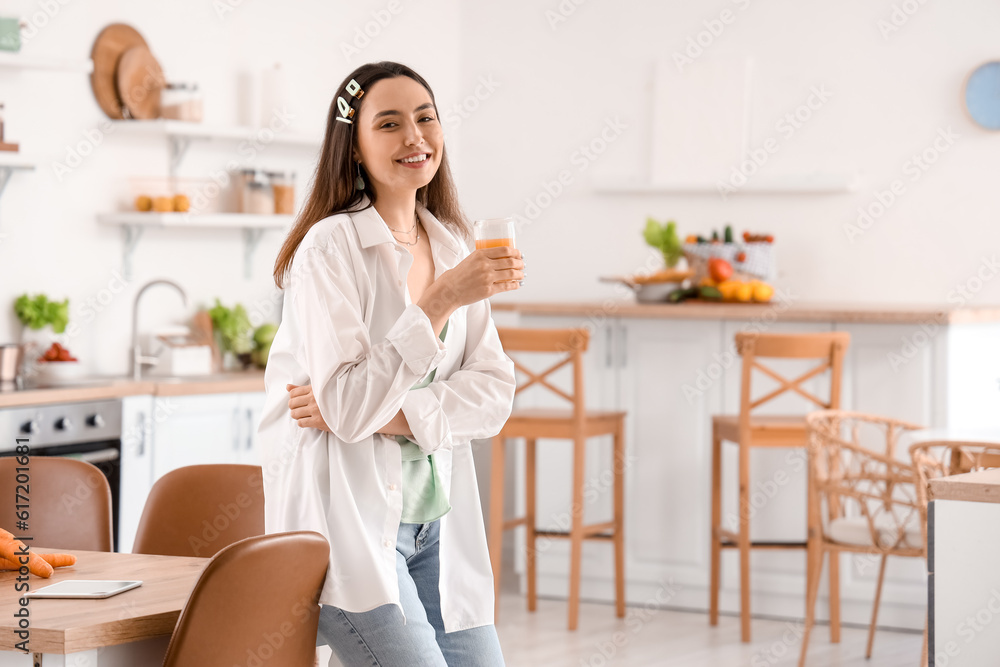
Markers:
719,269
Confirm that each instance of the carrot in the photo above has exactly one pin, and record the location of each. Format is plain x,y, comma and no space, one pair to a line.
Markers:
59,560
55,560
13,549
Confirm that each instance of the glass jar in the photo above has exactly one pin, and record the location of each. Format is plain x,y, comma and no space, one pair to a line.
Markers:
181,101
257,195
283,186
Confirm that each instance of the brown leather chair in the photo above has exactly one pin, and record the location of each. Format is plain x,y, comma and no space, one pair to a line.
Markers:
198,510
69,504
255,603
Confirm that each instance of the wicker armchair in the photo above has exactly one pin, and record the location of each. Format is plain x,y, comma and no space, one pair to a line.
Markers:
862,499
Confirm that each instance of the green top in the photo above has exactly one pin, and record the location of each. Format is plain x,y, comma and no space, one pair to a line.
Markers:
424,496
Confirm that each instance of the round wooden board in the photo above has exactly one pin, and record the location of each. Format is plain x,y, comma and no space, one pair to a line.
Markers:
114,40
140,81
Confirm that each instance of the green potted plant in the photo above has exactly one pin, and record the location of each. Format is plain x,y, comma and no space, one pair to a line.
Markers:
664,238
44,320
233,332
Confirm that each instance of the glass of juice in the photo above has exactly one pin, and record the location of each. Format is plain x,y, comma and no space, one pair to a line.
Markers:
494,233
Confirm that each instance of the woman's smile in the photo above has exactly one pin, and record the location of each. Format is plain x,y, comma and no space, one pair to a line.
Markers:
416,160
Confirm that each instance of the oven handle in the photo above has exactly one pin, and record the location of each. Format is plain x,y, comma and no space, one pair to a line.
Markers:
99,456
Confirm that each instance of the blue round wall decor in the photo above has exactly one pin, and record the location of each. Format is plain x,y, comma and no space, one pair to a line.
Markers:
982,95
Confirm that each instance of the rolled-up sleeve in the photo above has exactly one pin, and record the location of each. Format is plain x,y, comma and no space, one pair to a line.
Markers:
475,401
358,386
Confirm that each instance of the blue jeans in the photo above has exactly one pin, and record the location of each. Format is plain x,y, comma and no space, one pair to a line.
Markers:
378,638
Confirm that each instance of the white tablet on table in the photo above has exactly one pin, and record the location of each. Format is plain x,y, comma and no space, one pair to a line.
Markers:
83,588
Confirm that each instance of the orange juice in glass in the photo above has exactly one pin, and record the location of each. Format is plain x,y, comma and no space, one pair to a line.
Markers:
494,233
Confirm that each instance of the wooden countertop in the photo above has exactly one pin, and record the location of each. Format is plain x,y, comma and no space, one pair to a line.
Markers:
784,311
66,626
117,387
982,486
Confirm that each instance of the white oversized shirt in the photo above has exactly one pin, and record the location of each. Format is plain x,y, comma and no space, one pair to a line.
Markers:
349,329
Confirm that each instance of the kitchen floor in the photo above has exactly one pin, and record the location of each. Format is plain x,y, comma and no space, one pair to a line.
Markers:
661,638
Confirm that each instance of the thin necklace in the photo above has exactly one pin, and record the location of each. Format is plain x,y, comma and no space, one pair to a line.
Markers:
399,231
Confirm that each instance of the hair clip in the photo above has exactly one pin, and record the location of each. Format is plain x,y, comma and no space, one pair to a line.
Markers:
346,112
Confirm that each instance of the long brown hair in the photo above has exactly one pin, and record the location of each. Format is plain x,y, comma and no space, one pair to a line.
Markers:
333,186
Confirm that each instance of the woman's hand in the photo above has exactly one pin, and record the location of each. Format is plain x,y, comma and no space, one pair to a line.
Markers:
484,273
479,276
302,403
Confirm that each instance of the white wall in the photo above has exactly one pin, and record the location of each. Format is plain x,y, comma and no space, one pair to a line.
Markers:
49,237
549,91
889,97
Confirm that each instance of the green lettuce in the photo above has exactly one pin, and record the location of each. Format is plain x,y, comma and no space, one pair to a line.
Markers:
37,312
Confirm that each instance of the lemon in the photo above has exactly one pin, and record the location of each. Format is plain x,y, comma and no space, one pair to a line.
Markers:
762,292
728,289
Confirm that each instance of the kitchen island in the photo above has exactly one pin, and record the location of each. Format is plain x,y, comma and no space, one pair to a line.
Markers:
964,542
672,367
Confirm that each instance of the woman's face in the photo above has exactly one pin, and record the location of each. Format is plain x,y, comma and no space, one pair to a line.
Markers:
398,121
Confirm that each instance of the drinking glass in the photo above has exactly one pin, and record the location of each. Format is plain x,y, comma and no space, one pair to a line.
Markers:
494,233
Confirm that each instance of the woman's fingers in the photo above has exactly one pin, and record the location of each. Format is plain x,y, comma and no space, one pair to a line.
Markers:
509,274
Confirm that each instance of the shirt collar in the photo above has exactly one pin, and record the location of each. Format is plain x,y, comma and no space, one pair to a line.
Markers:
372,229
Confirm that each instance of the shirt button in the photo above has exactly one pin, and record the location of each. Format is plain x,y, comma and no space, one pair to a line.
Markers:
387,543
400,282
392,487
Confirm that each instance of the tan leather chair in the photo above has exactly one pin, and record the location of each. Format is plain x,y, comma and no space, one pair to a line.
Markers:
198,510
255,603
70,504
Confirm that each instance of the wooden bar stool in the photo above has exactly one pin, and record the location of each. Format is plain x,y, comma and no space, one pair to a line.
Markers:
749,431
576,424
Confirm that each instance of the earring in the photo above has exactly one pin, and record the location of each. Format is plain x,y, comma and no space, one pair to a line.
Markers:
359,183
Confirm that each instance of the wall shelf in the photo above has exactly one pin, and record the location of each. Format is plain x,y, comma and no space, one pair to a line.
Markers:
818,184
181,133
134,223
9,163
15,61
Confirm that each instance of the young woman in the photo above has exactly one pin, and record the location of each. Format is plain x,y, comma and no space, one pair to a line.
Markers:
385,366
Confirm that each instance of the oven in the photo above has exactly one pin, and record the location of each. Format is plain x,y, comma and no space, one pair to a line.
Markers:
89,431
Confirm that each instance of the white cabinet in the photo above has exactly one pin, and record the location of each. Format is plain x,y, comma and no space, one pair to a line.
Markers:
136,475
206,428
251,405
670,383
196,429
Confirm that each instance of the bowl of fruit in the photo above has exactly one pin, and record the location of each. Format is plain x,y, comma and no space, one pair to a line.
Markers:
58,365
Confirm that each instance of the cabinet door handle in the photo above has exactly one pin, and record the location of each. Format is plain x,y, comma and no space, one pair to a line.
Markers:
236,429
624,344
249,429
608,347
142,434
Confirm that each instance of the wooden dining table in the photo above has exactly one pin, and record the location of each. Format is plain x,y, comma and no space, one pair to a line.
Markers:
131,629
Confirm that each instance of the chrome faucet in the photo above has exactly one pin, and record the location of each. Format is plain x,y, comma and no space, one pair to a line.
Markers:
138,360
